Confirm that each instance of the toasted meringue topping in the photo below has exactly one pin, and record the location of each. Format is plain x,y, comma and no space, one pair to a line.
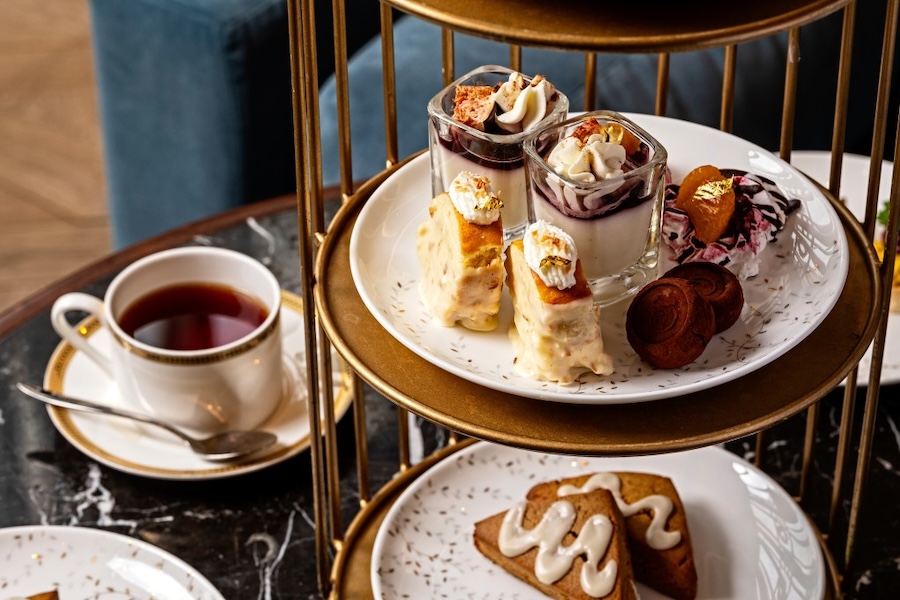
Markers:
473,198
550,252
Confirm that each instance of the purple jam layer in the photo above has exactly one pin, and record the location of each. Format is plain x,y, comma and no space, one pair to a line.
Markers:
597,205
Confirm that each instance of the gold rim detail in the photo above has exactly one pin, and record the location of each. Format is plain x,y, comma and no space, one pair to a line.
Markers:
204,359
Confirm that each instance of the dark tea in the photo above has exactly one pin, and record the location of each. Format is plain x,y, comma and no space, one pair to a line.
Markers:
192,316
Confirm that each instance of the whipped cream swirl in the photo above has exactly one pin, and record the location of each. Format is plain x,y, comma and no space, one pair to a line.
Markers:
594,160
524,105
473,198
550,252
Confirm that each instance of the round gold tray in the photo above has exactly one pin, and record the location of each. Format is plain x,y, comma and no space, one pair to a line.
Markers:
726,412
587,25
351,575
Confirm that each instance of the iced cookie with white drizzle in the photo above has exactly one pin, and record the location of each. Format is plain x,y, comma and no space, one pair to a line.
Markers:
555,331
569,549
460,248
655,521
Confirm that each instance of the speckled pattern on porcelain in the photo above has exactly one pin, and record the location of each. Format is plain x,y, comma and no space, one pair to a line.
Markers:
91,564
750,539
801,277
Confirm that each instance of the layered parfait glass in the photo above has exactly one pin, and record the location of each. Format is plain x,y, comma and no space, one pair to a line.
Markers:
479,124
601,178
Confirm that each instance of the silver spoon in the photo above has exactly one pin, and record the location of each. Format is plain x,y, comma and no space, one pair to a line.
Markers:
222,446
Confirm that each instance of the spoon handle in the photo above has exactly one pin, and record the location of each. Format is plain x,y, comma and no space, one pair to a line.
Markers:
44,395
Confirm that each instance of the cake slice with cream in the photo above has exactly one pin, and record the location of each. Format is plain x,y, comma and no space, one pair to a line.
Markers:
570,548
556,326
460,251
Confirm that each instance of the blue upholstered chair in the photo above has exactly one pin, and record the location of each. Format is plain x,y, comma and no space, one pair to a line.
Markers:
196,108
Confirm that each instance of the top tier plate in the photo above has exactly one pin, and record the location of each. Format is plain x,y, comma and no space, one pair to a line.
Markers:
801,276
591,26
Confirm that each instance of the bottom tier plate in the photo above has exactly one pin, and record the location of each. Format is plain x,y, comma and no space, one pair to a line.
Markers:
751,540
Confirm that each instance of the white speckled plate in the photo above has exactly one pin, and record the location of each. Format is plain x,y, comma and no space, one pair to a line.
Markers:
854,187
801,278
148,451
750,539
92,563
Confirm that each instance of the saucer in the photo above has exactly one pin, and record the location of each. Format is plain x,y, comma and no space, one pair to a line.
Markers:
152,452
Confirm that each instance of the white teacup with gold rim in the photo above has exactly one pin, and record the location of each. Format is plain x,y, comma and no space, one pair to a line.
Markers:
196,337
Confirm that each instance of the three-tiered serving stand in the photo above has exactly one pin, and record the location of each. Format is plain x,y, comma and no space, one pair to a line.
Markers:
336,314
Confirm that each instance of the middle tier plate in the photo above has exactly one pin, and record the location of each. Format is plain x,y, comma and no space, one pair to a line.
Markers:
801,278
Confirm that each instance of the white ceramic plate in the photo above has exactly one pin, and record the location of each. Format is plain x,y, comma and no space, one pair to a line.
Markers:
750,539
80,562
854,187
800,280
149,451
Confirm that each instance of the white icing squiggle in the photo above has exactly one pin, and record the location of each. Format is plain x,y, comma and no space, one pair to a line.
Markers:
657,537
553,559
550,252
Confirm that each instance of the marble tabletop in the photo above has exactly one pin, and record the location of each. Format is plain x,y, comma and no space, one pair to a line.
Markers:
253,536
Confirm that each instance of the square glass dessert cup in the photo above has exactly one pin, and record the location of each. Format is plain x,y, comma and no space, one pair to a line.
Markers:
455,147
614,222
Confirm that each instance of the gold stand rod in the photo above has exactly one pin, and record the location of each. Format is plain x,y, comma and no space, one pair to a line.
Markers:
390,85
726,120
662,83
887,270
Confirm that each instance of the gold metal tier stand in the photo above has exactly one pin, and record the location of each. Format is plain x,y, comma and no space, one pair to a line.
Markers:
793,383
586,25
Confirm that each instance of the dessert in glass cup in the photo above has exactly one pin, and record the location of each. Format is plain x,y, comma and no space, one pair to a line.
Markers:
601,178
479,123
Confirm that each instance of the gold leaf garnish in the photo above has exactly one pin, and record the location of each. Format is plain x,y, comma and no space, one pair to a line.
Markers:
615,133
713,189
554,261
492,203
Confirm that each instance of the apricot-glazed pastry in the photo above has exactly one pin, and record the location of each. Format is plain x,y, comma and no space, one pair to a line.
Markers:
724,216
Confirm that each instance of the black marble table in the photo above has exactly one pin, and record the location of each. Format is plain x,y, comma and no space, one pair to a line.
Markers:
253,535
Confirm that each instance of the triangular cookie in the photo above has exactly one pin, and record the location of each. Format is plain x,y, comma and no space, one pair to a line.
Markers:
511,539
668,568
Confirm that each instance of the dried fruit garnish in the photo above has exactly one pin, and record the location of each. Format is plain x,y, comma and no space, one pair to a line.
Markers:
708,198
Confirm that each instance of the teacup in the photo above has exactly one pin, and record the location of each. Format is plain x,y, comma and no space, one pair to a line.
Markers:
196,337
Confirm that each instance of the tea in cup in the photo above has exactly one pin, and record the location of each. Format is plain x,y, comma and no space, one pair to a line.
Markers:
196,337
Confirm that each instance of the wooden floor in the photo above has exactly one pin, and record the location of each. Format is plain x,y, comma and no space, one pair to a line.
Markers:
53,217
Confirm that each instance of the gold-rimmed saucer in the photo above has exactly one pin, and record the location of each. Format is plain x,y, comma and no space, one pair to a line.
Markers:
139,450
